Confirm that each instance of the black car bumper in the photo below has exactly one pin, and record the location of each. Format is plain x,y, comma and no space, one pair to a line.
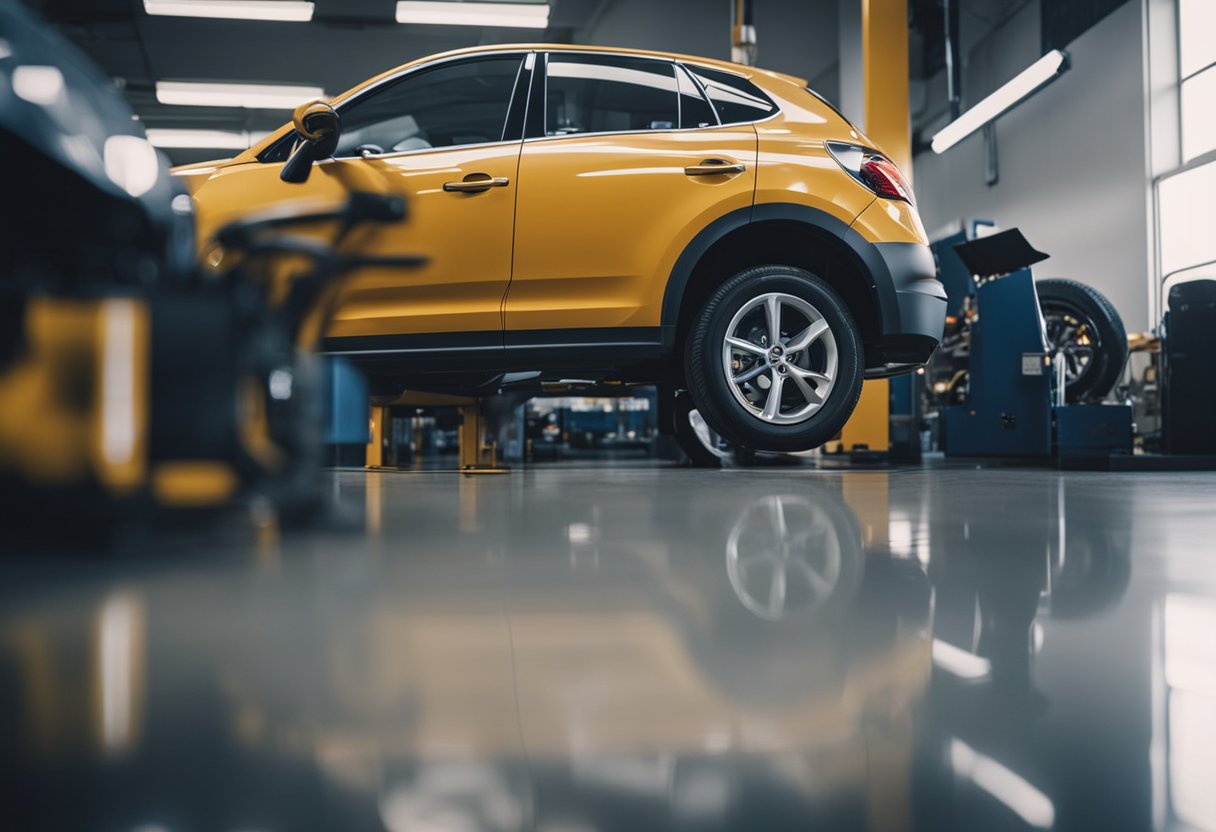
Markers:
913,304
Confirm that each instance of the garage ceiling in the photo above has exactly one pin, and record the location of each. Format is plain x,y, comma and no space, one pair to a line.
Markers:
346,42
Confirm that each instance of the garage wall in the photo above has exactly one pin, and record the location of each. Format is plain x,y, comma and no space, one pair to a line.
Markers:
795,36
1072,159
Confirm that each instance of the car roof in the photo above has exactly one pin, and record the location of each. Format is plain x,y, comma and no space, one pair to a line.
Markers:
737,68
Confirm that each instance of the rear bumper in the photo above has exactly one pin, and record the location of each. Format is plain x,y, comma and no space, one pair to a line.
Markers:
913,303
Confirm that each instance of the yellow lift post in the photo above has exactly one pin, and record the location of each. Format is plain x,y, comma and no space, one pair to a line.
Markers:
476,455
884,55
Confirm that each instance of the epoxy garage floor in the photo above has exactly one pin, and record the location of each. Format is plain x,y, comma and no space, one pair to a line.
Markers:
949,648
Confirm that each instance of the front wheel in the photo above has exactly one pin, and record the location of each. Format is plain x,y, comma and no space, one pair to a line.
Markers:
774,360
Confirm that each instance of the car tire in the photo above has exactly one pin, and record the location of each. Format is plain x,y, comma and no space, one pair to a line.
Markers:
817,382
1070,310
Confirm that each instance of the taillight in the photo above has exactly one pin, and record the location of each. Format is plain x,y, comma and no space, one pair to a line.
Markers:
869,167
884,179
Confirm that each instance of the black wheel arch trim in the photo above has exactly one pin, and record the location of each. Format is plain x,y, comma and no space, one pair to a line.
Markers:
867,255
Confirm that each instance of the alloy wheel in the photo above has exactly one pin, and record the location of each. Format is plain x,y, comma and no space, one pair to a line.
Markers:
1071,332
780,358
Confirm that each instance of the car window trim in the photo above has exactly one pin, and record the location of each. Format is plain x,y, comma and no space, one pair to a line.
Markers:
541,66
544,122
393,154
696,85
519,102
691,67
401,75
675,76
403,78
534,119
531,136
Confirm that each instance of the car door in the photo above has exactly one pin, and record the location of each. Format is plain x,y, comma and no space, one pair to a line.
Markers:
439,136
624,162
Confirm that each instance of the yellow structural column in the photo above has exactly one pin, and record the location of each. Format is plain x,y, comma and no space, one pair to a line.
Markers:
884,56
378,420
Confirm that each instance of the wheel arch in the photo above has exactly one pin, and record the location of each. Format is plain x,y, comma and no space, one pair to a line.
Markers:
779,234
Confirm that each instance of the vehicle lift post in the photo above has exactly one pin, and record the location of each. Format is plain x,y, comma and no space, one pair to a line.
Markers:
884,58
476,456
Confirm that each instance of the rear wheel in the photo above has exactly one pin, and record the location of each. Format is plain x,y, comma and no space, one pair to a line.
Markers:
774,360
1083,325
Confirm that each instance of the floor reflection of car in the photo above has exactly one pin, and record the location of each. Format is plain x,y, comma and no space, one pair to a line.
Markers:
755,652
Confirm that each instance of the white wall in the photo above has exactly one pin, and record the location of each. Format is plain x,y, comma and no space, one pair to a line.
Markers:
1072,159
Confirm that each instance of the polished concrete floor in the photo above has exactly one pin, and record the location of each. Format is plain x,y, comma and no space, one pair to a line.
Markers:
949,648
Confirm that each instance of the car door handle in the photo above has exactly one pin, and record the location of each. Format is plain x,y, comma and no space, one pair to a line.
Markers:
713,167
475,183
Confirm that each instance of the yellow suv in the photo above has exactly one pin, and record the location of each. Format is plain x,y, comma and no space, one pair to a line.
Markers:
614,215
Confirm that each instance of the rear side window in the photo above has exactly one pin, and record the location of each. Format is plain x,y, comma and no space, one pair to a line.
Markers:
736,99
694,109
609,94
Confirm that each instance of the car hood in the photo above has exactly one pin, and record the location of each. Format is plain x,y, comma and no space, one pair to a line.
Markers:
194,175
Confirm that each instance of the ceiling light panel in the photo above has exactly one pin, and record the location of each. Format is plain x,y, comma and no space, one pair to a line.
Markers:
249,96
199,139
449,13
285,10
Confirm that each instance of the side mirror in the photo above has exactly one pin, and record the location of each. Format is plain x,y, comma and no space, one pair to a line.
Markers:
318,128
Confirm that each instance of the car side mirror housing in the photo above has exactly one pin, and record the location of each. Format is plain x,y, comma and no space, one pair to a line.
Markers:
317,127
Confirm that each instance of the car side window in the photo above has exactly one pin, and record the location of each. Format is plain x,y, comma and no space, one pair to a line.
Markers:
694,109
736,99
450,105
609,94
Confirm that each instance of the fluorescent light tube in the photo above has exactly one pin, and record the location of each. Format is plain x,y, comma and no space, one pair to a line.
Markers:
291,10
218,139
472,13
249,96
1027,82
1007,786
959,662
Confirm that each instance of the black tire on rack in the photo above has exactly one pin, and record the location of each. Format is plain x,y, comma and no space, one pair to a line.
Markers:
1083,324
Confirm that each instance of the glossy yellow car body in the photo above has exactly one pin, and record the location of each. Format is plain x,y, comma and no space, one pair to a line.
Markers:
589,231
583,224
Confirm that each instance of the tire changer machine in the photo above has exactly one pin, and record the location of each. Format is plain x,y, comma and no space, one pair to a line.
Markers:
1015,406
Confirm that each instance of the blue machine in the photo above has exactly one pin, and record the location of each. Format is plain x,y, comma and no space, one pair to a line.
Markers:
952,271
346,403
1010,409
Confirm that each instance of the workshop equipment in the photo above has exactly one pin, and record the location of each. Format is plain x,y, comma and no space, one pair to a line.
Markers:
1190,369
128,378
346,398
1014,404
